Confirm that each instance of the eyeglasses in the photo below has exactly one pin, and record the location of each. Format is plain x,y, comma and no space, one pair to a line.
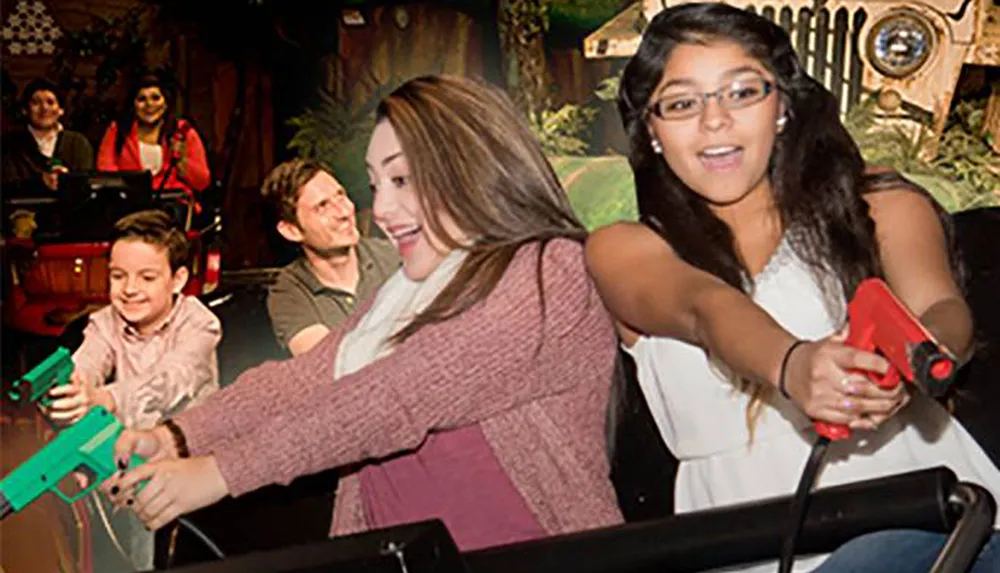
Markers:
738,94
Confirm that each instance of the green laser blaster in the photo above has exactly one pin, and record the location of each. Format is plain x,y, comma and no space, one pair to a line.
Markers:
35,385
87,446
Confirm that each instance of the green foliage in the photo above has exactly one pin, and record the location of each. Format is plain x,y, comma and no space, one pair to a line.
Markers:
600,189
964,174
574,17
561,131
564,131
524,19
607,90
965,155
338,138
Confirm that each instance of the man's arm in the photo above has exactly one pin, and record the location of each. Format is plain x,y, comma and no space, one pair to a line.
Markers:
294,316
305,339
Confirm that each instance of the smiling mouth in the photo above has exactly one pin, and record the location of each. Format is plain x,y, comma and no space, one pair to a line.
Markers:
721,157
404,234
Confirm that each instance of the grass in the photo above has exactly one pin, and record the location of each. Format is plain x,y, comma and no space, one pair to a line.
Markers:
600,188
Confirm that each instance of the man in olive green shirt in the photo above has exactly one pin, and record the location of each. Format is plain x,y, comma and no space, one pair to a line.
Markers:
337,267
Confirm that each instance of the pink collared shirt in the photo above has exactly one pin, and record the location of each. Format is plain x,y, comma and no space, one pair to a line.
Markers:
155,375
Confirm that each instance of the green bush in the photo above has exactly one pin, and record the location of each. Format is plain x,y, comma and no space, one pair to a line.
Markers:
601,189
965,172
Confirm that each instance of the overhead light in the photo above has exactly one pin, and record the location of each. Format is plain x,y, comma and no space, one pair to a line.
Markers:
352,17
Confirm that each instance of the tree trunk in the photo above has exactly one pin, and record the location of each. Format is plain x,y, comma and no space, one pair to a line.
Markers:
522,25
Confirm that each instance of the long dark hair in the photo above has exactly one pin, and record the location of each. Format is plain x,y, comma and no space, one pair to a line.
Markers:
816,169
473,157
126,117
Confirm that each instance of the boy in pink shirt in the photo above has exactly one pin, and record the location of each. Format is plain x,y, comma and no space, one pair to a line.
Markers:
151,352
146,356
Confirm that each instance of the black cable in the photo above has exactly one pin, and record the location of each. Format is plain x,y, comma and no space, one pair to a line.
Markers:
204,538
800,503
206,541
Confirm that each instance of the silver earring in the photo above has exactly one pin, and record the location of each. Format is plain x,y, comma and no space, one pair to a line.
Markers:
657,148
782,121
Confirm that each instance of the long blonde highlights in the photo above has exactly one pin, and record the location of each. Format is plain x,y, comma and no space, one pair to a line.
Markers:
473,157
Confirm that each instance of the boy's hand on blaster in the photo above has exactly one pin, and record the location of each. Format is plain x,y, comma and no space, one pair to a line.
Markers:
823,379
174,487
72,401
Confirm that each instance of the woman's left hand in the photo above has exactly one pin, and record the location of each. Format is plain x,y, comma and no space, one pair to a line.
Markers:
178,151
175,487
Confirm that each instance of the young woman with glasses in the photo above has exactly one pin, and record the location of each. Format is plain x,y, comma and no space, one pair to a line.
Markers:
758,221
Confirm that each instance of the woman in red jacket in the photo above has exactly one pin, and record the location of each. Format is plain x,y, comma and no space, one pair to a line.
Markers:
148,137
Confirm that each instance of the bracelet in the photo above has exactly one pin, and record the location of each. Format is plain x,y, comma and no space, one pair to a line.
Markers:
180,442
784,366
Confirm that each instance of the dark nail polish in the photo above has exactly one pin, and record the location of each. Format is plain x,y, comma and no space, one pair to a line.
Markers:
129,502
114,490
122,464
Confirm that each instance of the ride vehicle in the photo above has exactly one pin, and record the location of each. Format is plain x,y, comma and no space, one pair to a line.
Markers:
56,249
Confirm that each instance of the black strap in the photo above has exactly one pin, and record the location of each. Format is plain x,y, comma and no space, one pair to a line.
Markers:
643,469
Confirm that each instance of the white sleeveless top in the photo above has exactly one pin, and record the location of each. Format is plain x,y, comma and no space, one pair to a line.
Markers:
702,418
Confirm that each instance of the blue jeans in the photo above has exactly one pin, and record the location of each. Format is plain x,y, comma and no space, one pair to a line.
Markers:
902,551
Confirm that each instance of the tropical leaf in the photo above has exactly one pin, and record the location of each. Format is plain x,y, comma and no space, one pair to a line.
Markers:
562,131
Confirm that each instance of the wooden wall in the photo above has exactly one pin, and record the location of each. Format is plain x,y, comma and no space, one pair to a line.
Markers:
399,42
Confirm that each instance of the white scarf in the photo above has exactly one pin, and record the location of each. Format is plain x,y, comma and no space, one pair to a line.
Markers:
396,304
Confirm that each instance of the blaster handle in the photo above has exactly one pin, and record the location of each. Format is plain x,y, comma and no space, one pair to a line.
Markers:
92,484
913,354
861,335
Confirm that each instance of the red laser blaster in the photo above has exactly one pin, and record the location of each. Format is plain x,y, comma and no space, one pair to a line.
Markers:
880,323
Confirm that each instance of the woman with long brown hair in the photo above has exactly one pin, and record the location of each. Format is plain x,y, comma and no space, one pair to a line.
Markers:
471,389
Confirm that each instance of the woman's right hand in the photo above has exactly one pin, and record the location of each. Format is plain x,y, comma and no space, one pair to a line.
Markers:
823,379
150,445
